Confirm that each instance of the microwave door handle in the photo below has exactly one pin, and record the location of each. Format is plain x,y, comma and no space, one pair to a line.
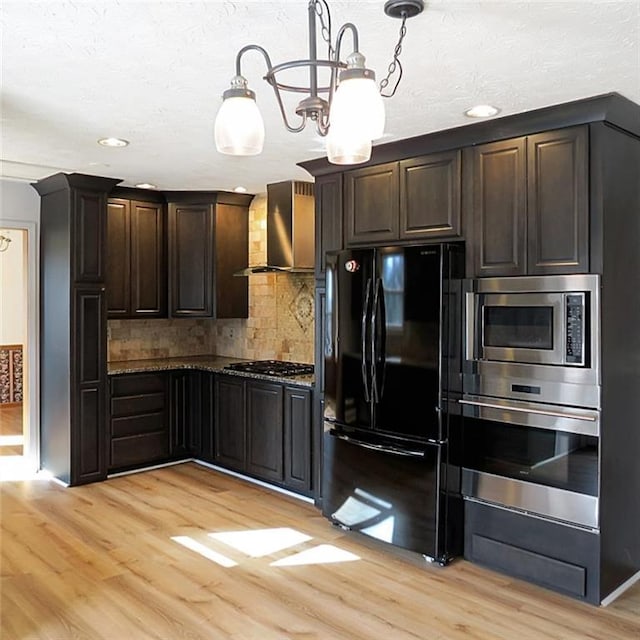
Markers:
363,341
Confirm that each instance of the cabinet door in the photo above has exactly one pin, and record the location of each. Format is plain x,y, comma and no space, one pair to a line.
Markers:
328,231
89,385
496,183
231,255
297,439
264,430
118,258
230,437
191,260
148,264
89,236
372,204
430,189
558,216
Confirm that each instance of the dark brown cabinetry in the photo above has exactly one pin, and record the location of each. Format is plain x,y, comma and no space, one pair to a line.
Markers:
184,413
139,423
297,438
208,243
230,431
73,339
328,218
203,439
415,199
527,204
264,429
136,258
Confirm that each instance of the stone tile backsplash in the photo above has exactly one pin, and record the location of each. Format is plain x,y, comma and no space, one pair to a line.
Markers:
280,324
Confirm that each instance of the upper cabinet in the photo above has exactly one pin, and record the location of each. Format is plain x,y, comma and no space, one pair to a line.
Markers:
526,208
208,243
136,259
415,199
328,218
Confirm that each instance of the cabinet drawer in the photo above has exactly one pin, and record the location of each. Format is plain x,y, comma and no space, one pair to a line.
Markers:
538,568
137,384
138,425
141,449
556,556
133,405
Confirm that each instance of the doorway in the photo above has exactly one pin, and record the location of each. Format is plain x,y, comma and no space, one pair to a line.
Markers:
19,442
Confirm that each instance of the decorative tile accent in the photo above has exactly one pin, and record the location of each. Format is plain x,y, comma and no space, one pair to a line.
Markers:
302,308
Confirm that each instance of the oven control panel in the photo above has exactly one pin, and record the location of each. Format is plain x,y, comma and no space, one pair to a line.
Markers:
575,329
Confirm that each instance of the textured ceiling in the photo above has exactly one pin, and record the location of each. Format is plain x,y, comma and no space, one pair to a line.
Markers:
154,73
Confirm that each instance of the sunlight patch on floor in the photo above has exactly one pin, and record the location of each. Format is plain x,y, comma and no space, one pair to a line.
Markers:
204,551
258,543
261,542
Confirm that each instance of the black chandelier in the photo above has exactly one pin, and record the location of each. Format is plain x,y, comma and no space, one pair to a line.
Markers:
347,110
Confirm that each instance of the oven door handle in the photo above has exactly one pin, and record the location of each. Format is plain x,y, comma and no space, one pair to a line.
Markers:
540,412
396,451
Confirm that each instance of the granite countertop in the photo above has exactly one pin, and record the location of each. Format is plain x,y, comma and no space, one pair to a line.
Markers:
211,363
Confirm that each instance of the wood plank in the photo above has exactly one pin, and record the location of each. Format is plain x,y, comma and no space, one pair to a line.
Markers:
98,561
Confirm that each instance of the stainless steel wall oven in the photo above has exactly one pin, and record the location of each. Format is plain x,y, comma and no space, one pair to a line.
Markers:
531,396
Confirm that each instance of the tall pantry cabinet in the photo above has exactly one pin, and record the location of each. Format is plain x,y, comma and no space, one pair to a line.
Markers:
73,325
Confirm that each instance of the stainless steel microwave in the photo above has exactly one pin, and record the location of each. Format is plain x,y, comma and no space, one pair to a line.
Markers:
532,331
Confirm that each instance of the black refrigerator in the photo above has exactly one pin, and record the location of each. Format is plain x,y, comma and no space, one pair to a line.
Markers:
391,370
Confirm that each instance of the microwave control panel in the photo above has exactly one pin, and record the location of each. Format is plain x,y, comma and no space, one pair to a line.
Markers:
575,307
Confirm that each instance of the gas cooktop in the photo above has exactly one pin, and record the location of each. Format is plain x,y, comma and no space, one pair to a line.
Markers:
272,367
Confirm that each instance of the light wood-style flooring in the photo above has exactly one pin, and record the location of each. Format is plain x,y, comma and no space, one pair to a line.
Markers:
101,562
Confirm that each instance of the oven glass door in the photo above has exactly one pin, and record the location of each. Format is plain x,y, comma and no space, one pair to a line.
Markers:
559,459
527,327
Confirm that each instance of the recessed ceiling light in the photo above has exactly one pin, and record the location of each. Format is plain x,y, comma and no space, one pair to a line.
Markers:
481,111
240,189
113,142
146,185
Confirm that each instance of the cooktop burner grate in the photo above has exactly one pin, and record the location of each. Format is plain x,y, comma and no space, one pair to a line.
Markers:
272,367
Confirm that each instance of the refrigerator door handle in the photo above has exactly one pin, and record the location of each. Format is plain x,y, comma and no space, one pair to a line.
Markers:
378,343
363,338
396,451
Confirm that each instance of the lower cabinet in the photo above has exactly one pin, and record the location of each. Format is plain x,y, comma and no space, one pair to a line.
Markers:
263,429
139,423
256,427
552,555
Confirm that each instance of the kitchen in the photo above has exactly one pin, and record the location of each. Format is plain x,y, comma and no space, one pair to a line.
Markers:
279,278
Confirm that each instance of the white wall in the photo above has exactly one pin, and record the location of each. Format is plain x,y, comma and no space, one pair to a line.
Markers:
19,201
13,298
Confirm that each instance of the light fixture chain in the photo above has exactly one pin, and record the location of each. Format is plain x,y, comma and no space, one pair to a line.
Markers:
325,27
395,63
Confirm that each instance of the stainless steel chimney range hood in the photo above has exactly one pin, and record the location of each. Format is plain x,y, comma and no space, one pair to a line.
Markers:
290,229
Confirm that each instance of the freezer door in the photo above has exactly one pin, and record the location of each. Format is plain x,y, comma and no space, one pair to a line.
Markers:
348,343
386,494
408,317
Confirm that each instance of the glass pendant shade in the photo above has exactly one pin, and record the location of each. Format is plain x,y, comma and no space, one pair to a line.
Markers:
358,103
239,128
346,146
